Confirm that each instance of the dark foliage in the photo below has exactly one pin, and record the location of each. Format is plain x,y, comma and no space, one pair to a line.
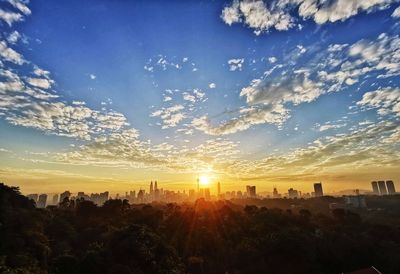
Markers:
205,237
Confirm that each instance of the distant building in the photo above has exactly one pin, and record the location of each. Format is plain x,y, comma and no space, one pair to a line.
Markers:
355,201
293,193
207,194
151,188
375,188
140,196
318,190
382,188
55,199
41,203
390,187
65,194
33,197
275,193
251,191
219,189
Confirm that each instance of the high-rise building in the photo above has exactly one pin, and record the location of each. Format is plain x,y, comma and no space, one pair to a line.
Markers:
33,197
293,193
390,187
151,188
207,194
155,185
251,191
55,199
382,187
42,201
375,188
318,190
219,189
198,185
275,193
65,194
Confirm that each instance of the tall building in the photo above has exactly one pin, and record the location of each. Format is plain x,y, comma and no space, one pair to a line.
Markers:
207,194
293,193
251,191
151,188
275,193
33,197
219,189
155,186
198,185
375,188
55,199
390,187
65,194
42,201
382,187
318,190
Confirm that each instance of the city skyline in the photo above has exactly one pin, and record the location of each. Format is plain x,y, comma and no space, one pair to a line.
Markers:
103,95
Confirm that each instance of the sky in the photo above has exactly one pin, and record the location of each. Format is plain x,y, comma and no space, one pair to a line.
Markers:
109,95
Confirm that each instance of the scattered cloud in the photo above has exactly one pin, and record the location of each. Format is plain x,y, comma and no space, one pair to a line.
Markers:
279,14
212,85
235,64
170,116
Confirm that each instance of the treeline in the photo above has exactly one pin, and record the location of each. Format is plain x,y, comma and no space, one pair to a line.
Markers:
205,237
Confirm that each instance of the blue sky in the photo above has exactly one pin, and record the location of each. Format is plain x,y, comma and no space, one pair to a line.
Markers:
284,92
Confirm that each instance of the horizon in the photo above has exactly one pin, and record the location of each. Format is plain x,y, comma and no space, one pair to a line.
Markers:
100,96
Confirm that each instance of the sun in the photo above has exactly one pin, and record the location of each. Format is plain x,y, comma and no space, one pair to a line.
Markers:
204,180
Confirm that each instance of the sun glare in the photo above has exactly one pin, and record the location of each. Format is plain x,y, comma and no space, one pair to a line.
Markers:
204,180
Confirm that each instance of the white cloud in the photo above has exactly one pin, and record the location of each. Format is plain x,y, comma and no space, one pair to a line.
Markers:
396,12
40,82
278,14
272,59
20,5
10,55
10,17
13,37
385,100
235,64
212,85
92,76
331,126
170,116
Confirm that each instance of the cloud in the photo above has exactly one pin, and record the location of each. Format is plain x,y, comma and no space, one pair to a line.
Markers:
396,13
272,59
13,37
10,55
92,76
235,64
20,5
40,82
170,116
386,100
279,14
10,17
212,85
330,126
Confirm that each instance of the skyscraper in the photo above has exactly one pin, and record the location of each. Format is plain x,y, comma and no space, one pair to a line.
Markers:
390,187
151,188
318,190
375,188
42,201
219,189
251,191
55,199
382,187
155,185
65,194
